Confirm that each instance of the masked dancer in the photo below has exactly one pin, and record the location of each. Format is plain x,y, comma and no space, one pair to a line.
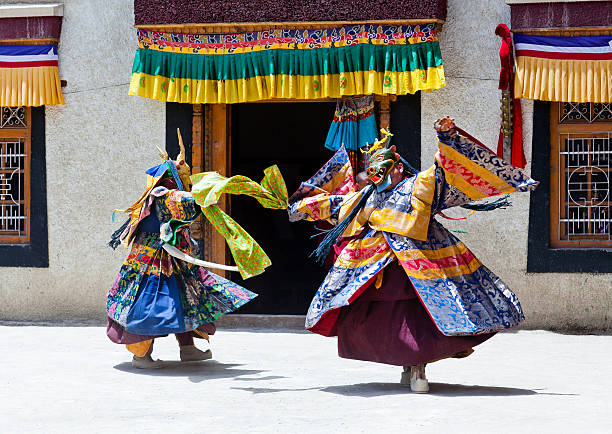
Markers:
403,290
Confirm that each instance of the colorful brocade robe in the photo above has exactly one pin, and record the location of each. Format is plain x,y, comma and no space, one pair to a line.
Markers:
156,294
462,296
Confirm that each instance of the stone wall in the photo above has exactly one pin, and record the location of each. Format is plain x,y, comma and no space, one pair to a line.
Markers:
99,144
571,301
97,147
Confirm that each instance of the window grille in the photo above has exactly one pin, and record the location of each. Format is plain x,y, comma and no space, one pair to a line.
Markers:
581,154
14,175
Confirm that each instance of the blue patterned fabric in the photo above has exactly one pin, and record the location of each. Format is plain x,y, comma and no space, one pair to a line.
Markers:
462,296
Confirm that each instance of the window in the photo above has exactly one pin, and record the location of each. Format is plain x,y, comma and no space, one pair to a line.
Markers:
23,188
560,201
580,157
15,160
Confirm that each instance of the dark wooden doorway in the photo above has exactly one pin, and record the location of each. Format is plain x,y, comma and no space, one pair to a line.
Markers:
290,135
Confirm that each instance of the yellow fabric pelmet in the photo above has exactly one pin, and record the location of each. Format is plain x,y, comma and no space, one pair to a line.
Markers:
30,86
563,80
186,90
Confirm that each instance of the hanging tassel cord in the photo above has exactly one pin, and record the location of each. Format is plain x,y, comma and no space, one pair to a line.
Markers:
116,236
500,203
321,252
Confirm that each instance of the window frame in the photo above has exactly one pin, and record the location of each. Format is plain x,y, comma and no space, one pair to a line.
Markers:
574,130
20,133
35,253
541,257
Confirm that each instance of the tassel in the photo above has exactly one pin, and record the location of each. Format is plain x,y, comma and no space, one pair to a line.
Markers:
332,236
116,236
502,202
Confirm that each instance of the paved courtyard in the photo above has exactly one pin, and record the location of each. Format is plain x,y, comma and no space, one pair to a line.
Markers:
72,379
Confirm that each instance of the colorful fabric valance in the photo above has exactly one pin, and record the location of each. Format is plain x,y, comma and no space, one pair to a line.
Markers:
291,64
29,76
354,124
563,68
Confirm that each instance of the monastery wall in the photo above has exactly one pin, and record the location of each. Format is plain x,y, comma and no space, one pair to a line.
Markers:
97,147
572,301
99,144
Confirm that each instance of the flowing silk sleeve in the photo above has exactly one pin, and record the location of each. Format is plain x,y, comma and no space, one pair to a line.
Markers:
208,188
322,196
465,172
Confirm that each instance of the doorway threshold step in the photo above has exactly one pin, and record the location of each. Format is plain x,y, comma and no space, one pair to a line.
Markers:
261,321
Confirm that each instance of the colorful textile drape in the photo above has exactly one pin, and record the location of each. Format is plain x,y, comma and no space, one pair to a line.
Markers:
29,76
563,68
208,187
354,124
296,64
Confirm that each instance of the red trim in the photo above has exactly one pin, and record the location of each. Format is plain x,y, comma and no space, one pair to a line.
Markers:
446,262
566,56
28,64
453,218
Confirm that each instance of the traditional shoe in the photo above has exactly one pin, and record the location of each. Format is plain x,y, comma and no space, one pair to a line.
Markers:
418,381
189,353
405,380
146,362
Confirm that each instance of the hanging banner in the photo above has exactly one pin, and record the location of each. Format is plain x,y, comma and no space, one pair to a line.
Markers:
289,64
29,76
563,68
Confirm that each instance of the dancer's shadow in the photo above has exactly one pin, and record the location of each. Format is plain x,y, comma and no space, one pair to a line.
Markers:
438,389
195,371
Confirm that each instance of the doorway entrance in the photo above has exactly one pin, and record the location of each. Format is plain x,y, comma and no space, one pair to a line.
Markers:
290,135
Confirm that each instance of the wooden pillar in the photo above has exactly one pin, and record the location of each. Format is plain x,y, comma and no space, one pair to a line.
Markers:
385,112
217,158
197,140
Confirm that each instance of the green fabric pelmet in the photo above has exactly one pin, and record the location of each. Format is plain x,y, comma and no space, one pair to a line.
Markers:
337,60
208,187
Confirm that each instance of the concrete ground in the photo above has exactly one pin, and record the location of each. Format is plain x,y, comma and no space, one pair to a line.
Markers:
73,380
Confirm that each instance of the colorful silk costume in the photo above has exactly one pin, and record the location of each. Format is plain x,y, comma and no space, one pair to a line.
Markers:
460,295
271,193
156,294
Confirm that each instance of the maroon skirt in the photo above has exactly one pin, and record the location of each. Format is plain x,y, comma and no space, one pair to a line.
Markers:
119,335
390,325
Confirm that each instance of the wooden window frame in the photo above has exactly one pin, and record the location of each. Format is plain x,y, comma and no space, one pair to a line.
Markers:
558,199
25,134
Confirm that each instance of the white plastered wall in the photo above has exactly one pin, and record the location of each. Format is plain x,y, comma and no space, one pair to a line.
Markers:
98,146
470,50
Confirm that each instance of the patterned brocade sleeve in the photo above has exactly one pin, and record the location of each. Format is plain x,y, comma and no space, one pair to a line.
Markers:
322,196
466,171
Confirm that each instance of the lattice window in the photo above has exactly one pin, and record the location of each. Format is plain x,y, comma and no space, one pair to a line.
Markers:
581,170
14,175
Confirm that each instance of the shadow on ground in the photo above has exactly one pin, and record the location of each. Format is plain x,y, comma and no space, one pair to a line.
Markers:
437,389
195,371
367,390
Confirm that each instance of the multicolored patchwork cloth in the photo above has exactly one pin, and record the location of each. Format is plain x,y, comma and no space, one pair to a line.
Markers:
208,187
360,59
462,296
155,294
